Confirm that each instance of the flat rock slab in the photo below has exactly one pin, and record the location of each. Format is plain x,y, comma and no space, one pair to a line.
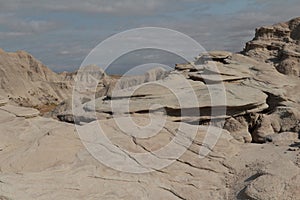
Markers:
216,54
21,111
175,96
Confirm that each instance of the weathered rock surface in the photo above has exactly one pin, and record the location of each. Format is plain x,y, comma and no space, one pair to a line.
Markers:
283,137
26,81
105,86
239,129
243,99
3,101
20,111
265,187
282,119
278,44
43,159
268,173
141,99
250,87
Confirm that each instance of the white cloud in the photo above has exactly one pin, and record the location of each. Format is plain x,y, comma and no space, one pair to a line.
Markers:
5,35
21,26
213,31
87,6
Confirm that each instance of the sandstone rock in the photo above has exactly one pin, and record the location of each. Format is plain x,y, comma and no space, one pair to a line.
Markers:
4,198
214,72
188,67
36,144
141,98
219,56
131,81
278,44
283,119
105,85
289,64
21,111
263,130
283,137
286,119
266,173
25,142
238,128
3,101
46,159
26,81
293,188
265,187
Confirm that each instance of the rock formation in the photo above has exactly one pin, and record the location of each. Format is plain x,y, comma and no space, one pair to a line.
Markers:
279,45
256,122
254,98
26,81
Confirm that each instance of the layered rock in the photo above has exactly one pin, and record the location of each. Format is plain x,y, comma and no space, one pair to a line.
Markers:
279,45
252,93
208,108
104,87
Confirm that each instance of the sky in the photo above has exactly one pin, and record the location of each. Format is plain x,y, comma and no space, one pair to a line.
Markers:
61,33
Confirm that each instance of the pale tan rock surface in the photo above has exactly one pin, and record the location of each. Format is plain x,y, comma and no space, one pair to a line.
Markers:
3,101
278,44
20,111
26,81
42,158
269,172
251,87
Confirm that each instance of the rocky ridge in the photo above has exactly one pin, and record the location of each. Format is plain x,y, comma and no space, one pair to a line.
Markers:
256,105
278,45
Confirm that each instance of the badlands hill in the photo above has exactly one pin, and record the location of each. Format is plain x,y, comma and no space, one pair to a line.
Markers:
26,81
257,151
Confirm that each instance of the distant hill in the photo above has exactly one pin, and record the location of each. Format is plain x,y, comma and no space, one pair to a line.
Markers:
24,80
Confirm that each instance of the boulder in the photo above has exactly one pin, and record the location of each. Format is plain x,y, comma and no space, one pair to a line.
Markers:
265,187
238,128
283,137
263,129
285,119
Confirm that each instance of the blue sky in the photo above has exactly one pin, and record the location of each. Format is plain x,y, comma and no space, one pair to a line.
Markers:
61,33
